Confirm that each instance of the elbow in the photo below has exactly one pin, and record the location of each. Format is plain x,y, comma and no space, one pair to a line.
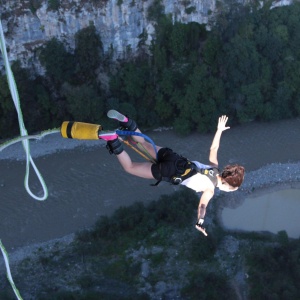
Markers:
213,161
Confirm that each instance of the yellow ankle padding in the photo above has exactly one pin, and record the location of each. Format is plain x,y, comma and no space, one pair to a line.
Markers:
80,131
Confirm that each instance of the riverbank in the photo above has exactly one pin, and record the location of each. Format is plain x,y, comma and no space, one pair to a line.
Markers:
261,183
78,193
44,257
268,179
82,183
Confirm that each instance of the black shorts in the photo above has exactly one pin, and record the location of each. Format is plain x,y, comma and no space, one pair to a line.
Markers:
168,165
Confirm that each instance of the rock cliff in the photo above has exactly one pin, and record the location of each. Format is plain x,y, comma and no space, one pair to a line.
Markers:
29,24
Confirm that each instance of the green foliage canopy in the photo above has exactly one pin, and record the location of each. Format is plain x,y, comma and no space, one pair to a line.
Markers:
247,67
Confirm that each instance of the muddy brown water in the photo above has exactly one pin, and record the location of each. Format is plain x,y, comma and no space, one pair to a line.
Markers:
86,183
274,211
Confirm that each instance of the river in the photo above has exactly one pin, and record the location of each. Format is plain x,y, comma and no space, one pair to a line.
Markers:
86,182
273,212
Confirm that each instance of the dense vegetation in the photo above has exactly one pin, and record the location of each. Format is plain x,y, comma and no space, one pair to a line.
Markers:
106,262
247,66
276,275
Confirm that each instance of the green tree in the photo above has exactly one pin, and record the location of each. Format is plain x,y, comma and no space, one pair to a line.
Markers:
160,61
132,84
39,112
178,41
8,115
163,108
142,48
241,62
211,50
88,53
34,5
58,62
202,101
207,285
53,4
282,99
276,275
155,11
134,78
83,103
249,103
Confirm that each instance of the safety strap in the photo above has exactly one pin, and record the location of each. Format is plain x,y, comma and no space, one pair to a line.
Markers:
130,142
191,170
133,133
211,173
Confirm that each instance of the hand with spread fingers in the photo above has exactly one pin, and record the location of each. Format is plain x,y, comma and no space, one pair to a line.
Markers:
164,164
222,123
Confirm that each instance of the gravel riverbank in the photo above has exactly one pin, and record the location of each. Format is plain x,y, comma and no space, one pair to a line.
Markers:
67,163
271,177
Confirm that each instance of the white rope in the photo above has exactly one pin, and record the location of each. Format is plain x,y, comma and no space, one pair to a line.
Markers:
24,138
9,277
27,137
23,131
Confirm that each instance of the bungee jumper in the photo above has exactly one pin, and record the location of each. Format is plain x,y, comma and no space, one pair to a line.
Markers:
163,163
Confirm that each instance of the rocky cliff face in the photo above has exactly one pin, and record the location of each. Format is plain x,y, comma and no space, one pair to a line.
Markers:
29,24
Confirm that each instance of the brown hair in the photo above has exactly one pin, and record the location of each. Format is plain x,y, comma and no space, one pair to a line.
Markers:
233,175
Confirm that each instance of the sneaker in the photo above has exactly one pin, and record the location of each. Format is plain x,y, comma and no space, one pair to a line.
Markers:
113,114
108,135
129,124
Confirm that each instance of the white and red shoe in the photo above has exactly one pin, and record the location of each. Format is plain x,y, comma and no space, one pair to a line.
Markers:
108,135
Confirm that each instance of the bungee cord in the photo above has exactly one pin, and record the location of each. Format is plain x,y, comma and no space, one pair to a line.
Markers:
27,137
133,133
88,131
23,131
24,138
9,277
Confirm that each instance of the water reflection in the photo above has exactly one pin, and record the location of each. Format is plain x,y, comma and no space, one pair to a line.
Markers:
272,212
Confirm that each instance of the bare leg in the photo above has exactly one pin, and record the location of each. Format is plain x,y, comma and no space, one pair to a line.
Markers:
138,169
135,168
131,125
148,146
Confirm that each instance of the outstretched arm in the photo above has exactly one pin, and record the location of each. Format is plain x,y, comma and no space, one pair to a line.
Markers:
205,198
213,155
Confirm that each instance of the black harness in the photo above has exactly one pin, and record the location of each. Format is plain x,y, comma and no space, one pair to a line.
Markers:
211,173
186,169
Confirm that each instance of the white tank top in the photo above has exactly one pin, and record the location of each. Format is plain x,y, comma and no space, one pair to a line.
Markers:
199,182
